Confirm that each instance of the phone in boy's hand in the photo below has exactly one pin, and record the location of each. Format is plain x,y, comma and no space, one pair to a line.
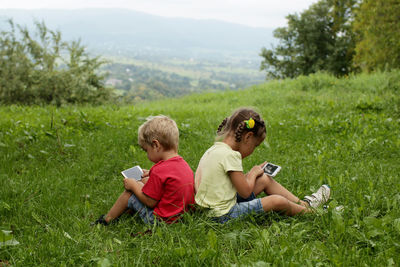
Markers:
133,173
271,169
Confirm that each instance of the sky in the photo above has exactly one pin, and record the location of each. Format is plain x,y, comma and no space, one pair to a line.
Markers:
256,13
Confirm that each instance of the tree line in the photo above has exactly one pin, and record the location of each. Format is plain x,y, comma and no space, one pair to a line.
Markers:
338,37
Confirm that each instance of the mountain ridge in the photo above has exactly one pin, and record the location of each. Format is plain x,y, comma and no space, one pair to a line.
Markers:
115,29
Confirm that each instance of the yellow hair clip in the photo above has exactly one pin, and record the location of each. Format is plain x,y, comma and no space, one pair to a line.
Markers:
250,123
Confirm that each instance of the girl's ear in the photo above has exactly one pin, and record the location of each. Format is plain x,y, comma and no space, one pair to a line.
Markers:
247,136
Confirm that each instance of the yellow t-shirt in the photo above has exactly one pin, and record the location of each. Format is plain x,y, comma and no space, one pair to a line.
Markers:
213,185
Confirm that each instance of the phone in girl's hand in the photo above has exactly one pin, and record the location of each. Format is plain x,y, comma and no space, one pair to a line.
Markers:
133,173
271,169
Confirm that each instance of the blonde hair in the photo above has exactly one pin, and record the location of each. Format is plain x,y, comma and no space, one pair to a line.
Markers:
236,124
160,128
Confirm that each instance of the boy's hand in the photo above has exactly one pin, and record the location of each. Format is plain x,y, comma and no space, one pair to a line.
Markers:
129,184
144,180
145,173
145,176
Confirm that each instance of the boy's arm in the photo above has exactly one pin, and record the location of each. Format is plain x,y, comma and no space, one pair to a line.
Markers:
136,188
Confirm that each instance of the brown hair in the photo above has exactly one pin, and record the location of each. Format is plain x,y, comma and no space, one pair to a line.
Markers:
236,124
160,128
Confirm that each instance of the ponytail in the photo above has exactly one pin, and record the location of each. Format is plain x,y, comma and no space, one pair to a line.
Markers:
239,131
222,125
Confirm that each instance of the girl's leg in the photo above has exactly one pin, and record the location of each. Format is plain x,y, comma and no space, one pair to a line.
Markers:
271,187
119,207
280,203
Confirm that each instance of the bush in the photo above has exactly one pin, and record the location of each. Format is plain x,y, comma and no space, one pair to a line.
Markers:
46,69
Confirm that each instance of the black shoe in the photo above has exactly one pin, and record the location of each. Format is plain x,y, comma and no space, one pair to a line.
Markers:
100,220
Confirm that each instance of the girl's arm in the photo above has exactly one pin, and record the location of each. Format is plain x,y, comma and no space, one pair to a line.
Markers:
244,184
136,188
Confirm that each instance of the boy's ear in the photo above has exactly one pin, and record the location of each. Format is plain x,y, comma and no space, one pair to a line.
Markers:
156,144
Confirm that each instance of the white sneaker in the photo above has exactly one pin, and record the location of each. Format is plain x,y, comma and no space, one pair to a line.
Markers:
320,197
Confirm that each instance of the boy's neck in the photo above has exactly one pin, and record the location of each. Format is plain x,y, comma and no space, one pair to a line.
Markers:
168,154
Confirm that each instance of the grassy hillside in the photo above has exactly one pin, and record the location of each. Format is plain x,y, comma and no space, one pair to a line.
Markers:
60,170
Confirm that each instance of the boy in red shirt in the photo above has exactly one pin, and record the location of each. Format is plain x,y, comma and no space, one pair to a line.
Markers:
167,190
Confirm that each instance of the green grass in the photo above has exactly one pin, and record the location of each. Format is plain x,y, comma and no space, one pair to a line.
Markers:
60,169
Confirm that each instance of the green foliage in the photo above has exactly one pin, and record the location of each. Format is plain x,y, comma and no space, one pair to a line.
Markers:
44,69
61,169
339,37
377,24
319,39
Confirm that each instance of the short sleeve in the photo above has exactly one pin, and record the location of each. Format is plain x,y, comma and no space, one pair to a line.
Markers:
232,162
154,187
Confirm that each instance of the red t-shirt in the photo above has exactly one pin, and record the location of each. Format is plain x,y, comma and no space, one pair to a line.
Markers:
171,183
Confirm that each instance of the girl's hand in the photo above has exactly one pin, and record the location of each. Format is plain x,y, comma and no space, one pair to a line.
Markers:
257,171
129,183
261,166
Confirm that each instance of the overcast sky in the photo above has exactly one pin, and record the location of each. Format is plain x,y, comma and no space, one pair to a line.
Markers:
258,13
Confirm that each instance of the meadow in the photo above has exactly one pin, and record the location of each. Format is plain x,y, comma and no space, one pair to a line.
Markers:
60,169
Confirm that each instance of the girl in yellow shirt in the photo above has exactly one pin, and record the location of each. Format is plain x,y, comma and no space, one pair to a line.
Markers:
223,188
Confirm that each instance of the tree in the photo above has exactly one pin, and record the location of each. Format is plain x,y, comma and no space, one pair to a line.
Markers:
377,23
44,69
319,39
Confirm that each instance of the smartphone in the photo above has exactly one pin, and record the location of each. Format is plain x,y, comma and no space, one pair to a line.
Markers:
133,173
271,169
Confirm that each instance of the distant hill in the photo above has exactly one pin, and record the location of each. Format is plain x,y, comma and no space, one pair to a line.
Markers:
125,31
151,56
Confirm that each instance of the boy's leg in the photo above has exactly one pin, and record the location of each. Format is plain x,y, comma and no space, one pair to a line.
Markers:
144,212
119,206
271,187
280,203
